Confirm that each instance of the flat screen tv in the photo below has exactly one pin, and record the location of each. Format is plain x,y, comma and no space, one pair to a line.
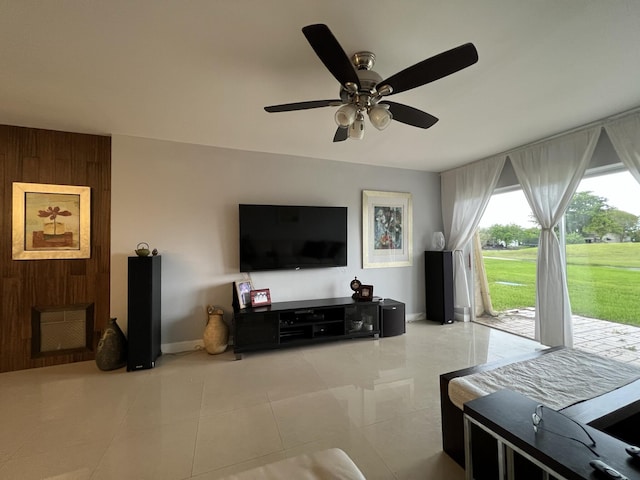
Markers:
285,237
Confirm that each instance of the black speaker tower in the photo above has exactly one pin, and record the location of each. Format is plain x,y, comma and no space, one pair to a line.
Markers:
438,269
143,326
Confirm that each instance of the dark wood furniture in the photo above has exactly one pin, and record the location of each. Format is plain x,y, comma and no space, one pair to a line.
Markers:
144,304
616,412
520,452
438,284
304,322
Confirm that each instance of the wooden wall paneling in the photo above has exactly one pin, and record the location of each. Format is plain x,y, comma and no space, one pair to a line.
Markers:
30,170
103,306
80,289
99,174
46,158
78,267
4,139
3,164
102,229
83,154
62,170
62,147
42,156
27,142
99,170
5,216
104,261
10,309
23,328
11,147
48,283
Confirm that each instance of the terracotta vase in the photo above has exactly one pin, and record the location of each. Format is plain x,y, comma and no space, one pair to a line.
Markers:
112,347
216,333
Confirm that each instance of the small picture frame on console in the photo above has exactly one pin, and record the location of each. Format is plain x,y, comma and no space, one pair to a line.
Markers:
366,293
242,292
260,297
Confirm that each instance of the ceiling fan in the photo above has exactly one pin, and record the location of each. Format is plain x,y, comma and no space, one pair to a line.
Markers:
363,91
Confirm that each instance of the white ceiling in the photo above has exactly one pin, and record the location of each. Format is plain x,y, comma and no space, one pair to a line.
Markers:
201,71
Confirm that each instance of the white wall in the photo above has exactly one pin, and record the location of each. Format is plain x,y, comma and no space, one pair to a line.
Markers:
183,200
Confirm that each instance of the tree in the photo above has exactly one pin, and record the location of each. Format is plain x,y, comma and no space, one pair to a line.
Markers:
573,238
580,212
485,238
601,224
626,223
530,237
505,234
635,233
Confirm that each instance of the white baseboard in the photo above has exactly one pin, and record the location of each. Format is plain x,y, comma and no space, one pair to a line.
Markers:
462,314
178,347
414,317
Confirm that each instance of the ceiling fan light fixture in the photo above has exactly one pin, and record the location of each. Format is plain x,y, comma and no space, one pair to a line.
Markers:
380,116
384,90
351,87
362,90
356,129
346,115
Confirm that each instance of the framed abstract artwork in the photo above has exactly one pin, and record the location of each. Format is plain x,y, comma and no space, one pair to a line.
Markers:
387,229
50,221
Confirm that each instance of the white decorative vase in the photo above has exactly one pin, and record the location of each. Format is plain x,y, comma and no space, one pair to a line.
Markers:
216,333
437,241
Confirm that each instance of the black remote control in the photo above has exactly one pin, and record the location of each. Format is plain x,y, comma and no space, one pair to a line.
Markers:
633,451
607,470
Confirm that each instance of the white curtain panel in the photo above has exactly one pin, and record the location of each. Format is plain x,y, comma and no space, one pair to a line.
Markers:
549,174
625,136
465,193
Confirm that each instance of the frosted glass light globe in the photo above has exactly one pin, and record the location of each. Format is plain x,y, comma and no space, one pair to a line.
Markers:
380,116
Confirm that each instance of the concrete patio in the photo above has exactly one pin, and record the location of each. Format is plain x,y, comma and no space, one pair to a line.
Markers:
605,338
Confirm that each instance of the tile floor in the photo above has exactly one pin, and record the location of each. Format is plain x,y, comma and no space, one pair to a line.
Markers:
605,338
203,417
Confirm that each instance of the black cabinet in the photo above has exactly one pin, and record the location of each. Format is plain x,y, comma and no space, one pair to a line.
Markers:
392,319
143,324
304,322
500,436
438,269
257,331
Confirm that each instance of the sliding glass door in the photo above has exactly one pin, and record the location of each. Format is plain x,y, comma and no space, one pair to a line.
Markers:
601,237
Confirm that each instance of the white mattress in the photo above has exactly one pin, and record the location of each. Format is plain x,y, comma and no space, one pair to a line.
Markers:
557,379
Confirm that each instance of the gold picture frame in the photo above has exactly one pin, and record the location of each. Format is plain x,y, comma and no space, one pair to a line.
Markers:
387,229
50,221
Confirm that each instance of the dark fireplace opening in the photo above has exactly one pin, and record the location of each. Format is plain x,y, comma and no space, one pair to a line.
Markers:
61,330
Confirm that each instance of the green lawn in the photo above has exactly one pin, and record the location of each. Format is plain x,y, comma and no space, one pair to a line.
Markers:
603,278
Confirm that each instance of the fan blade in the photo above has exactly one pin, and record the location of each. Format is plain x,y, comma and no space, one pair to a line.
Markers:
331,53
433,68
410,116
342,133
288,107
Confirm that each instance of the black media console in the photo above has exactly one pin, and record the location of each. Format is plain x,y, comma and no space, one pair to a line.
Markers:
304,322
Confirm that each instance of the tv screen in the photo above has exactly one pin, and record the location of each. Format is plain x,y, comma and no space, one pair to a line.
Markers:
284,237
